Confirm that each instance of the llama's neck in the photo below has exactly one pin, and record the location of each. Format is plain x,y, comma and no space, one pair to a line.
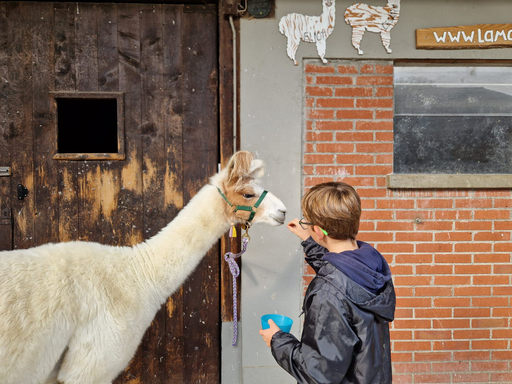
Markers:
173,254
328,17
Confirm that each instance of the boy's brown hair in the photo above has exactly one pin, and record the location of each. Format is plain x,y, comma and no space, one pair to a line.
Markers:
334,207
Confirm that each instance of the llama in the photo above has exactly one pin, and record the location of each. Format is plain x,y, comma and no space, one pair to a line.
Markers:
374,19
74,313
311,29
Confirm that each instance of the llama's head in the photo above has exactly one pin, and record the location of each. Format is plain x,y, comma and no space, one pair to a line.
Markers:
328,3
238,183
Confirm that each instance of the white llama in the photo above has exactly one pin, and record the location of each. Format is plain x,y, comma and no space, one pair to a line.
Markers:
311,29
363,17
74,313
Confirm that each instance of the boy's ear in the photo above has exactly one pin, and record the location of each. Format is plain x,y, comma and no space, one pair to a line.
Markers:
318,232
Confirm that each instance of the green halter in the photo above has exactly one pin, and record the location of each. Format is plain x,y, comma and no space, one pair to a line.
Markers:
247,208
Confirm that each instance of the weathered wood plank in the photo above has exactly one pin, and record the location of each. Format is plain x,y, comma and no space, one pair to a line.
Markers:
173,61
43,78
130,198
89,172
200,135
154,101
5,154
65,80
19,108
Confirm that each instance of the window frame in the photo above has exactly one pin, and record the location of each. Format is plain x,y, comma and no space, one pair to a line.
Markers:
449,181
120,154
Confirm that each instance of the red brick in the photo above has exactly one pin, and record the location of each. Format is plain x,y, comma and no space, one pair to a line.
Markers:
414,236
503,269
367,68
374,103
502,225
507,247
354,159
320,114
460,366
437,226
411,302
502,203
414,258
453,236
432,356
473,203
334,125
374,148
374,170
384,92
492,258
451,323
489,344
501,377
353,92
433,335
400,335
471,334
471,312
451,258
471,355
310,102
335,103
318,91
433,313
311,181
434,247
354,114
334,147
491,280
434,269
502,355
310,79
401,357
360,181
396,204
318,159
453,215
344,69
375,237
319,136
374,80
502,312
334,170
494,214
384,69
502,334
489,366
472,291
471,269
334,80
452,280
433,291
446,345
371,192
452,302
490,323
374,125
470,378
432,379
434,203
311,68
473,226
384,115
413,215
402,378
411,346
402,292
354,136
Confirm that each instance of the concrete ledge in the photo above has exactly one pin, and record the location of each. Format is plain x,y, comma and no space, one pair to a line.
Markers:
448,181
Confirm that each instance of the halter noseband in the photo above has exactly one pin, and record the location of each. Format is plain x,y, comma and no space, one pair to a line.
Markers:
253,209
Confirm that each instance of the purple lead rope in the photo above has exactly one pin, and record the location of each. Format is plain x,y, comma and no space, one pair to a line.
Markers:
235,271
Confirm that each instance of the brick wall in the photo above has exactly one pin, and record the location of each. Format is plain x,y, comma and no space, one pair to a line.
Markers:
449,250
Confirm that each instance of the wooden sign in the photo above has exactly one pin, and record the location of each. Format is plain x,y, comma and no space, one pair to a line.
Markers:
465,37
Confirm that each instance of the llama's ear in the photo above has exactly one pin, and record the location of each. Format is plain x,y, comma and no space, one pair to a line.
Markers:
257,168
239,165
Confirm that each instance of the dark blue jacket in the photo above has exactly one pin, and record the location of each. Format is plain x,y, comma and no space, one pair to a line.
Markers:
346,328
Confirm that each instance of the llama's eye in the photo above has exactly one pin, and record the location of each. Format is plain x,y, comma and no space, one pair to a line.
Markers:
248,195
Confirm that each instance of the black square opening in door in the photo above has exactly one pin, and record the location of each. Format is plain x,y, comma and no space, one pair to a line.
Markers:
89,125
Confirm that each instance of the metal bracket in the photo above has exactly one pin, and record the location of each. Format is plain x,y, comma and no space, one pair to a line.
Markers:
5,171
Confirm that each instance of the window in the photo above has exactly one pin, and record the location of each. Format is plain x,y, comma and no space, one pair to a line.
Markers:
89,126
453,120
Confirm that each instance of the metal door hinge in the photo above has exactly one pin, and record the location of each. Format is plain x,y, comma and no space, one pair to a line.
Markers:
5,171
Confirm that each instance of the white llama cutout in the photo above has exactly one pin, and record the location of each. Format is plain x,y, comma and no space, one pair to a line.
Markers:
311,29
363,17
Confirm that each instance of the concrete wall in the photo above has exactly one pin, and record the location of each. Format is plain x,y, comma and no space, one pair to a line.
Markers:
272,126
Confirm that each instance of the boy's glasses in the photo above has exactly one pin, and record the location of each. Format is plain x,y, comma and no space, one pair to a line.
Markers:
304,225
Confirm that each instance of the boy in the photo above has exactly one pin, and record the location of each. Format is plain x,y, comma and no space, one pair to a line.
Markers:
349,303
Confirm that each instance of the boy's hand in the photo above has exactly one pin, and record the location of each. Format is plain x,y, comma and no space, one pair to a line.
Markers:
295,228
268,333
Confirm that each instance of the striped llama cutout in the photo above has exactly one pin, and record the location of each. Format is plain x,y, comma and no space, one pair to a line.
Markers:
363,17
311,29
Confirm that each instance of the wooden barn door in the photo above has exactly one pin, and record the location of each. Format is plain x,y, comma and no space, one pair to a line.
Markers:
161,63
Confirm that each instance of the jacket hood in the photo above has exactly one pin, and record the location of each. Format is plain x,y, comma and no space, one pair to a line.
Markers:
382,303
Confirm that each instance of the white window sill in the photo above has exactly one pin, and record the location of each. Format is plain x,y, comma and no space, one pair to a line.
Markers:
448,181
